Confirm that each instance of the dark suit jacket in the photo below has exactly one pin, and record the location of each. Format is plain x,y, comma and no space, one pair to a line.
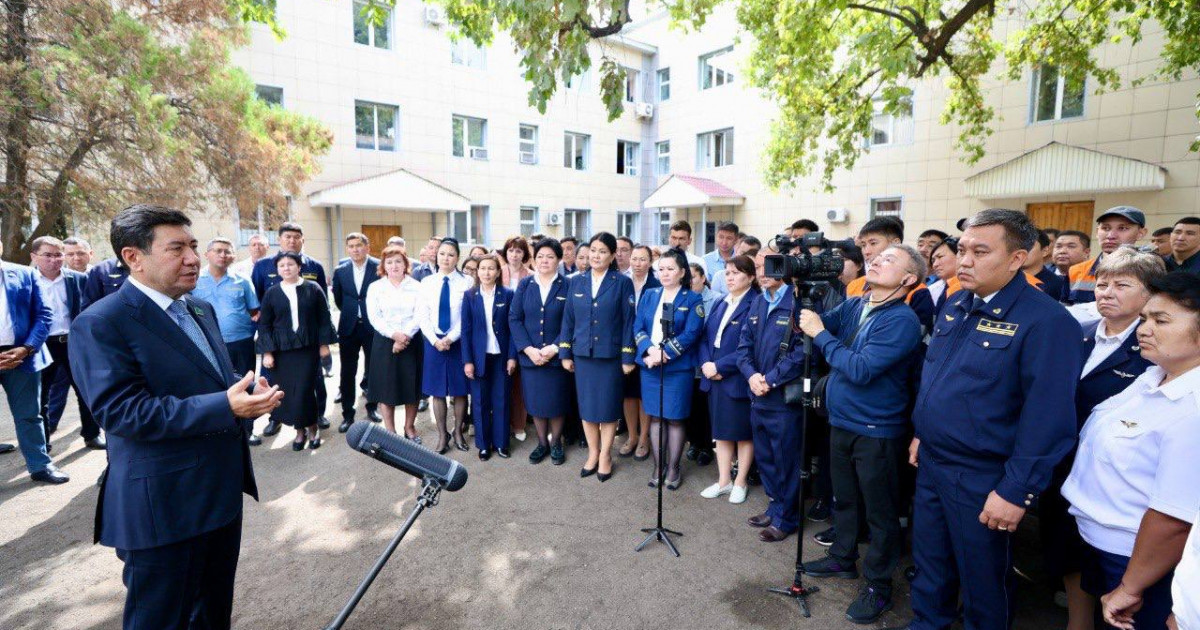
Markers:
30,316
76,282
732,383
102,281
275,320
474,328
1111,376
178,461
533,323
599,327
352,303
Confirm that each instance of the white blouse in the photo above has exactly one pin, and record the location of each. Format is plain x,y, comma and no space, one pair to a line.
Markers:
733,304
392,309
489,302
544,289
289,291
431,295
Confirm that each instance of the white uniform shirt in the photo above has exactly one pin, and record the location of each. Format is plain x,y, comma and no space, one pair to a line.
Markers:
656,331
1137,452
733,302
359,273
392,309
489,301
1106,345
289,291
544,289
1186,584
7,333
54,295
431,296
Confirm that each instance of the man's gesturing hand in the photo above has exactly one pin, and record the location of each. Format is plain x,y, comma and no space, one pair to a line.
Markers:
264,399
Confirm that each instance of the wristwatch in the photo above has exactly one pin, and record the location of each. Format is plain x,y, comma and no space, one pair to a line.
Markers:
31,349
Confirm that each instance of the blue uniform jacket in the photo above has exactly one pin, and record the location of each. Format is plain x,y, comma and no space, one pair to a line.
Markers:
600,327
76,283
1053,284
350,302
868,389
758,348
103,280
473,342
178,461
1116,372
30,315
682,350
998,388
533,323
726,357
264,275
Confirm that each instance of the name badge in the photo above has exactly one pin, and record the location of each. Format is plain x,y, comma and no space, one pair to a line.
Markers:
997,328
561,298
781,322
579,295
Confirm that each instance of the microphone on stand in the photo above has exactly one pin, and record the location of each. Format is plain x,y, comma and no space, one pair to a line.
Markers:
668,319
370,439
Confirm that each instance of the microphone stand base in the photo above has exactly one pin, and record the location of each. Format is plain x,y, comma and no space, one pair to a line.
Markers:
661,534
800,594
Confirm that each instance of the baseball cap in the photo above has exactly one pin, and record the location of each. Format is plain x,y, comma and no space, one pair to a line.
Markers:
1127,212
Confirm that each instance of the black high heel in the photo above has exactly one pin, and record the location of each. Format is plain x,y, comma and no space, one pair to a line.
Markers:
588,472
314,443
298,446
462,446
603,476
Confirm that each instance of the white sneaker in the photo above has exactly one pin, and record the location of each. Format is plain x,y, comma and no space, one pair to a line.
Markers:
715,491
738,494
520,436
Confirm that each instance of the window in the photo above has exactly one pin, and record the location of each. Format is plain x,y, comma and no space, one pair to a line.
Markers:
375,125
372,24
714,70
580,81
528,141
886,207
664,85
1056,96
576,147
470,137
662,157
468,226
262,220
663,226
269,94
529,220
629,156
714,149
633,80
888,128
464,52
577,223
628,224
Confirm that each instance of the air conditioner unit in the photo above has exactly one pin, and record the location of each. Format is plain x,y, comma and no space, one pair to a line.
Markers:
644,111
435,16
528,157
554,218
478,154
837,215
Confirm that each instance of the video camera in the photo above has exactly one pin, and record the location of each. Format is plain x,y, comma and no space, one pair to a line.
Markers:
796,263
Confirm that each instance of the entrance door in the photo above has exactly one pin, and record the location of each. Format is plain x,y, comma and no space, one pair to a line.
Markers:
1068,215
379,234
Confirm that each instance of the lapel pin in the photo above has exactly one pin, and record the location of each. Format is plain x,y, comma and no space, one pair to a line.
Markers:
1129,424
996,311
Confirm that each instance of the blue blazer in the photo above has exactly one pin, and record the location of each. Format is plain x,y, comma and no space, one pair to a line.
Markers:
31,317
1111,376
103,280
75,282
726,357
178,461
533,323
600,327
351,303
474,328
681,349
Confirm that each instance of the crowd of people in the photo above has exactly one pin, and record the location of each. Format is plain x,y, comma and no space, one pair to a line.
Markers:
968,380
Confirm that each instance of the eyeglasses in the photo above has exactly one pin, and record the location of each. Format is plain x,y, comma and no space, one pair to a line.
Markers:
51,256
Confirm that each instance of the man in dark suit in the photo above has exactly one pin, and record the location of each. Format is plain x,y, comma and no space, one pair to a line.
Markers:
62,290
350,282
151,365
24,325
103,280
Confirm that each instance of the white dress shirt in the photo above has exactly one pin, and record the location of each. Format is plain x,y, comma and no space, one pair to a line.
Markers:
1186,583
489,301
54,295
1106,345
431,295
733,302
544,289
1137,452
163,300
7,333
360,272
392,309
596,285
289,290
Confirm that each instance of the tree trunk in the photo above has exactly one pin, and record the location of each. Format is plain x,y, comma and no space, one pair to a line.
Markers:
15,193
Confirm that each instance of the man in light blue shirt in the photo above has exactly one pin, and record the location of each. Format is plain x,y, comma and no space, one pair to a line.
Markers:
726,239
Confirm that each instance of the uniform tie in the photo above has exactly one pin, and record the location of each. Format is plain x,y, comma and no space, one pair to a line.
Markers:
977,304
444,307
178,310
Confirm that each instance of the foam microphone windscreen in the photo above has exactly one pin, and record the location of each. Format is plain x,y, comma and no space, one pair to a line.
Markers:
375,441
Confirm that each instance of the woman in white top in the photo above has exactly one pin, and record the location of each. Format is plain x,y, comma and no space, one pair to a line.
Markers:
440,318
395,374
1186,613
1133,487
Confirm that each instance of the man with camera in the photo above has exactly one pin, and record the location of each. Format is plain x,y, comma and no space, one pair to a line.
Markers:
869,343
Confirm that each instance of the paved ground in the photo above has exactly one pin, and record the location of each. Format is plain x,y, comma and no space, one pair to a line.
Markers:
520,546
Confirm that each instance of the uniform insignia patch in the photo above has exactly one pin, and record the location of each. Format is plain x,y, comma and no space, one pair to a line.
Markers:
996,311
1124,374
997,328
949,319
1129,424
578,295
700,310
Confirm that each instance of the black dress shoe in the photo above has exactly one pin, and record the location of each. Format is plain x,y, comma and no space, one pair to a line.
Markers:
373,416
604,476
557,455
773,534
50,475
484,454
7,448
323,422
272,428
588,472
254,440
97,443
314,443
338,399
503,453
345,425
539,453
691,453
49,446
461,444
423,405
762,520
298,446
704,457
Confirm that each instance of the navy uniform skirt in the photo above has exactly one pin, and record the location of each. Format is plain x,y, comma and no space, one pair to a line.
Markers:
599,384
395,379
546,390
730,416
442,373
676,395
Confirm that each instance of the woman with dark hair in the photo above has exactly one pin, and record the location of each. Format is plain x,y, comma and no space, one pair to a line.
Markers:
395,376
668,359
471,264
441,325
536,321
489,358
294,332
1132,487
728,393
699,426
477,250
596,343
636,420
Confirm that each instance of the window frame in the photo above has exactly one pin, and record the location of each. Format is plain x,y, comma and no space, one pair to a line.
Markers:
662,227
586,153
876,201
659,75
659,156
387,27
623,162
894,124
375,121
571,223
536,141
471,224
479,52
729,144
1060,86
633,84
532,224
634,219
467,146
727,77
258,87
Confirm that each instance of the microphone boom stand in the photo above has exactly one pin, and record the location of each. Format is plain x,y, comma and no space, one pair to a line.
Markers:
658,532
429,497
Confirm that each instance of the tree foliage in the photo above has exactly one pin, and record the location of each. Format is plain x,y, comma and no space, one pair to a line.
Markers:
104,103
